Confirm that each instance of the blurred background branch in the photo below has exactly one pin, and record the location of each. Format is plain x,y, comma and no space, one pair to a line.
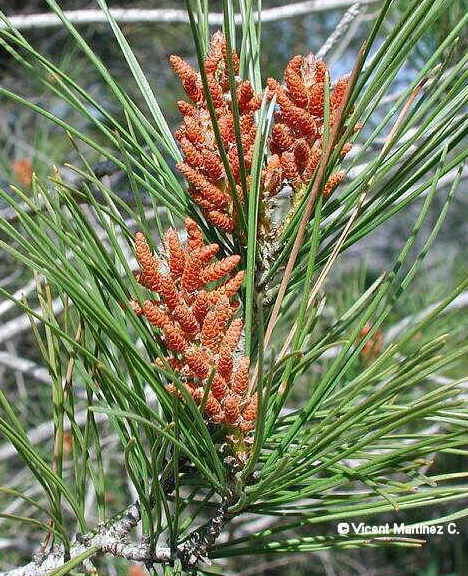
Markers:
172,16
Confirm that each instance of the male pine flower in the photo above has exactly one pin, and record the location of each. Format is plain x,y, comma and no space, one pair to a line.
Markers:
193,308
295,141
296,137
202,166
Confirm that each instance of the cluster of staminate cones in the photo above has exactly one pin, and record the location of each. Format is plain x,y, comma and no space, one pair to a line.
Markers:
195,301
195,297
203,167
295,142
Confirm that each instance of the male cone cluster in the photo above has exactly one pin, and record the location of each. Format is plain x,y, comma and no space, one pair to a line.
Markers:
296,136
196,296
194,306
202,166
295,142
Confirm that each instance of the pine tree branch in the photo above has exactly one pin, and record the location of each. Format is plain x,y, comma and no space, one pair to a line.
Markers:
24,366
110,538
342,27
197,546
45,431
460,302
141,16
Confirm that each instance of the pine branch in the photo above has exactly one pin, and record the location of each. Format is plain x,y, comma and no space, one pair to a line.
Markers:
45,431
197,546
364,421
111,538
342,27
459,303
141,16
